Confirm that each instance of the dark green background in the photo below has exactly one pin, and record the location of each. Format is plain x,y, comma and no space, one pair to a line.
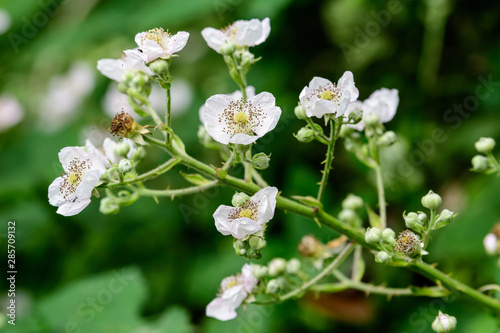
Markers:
178,262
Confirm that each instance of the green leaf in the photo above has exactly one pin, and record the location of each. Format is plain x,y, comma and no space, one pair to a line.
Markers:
195,178
373,217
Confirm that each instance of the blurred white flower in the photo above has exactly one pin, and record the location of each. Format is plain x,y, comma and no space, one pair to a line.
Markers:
5,21
65,95
83,170
110,149
243,221
157,43
181,95
115,68
233,291
324,97
250,91
490,243
11,112
241,33
383,102
230,120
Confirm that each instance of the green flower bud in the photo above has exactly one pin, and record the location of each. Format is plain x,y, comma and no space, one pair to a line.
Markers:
480,163
431,200
293,266
387,139
422,217
159,66
485,145
240,199
272,286
261,161
412,221
444,218
122,86
348,216
277,267
109,206
352,202
355,116
139,155
228,48
305,134
122,149
383,257
389,236
247,59
257,243
444,323
240,247
139,80
259,271
300,112
125,166
373,235
127,77
372,119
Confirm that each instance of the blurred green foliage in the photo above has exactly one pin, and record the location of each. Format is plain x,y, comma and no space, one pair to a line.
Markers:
434,53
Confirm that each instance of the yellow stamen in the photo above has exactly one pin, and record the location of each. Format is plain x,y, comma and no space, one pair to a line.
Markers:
240,117
73,178
246,213
327,94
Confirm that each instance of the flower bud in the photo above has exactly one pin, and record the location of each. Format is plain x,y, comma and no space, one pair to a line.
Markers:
389,236
348,216
159,66
240,247
431,200
387,139
346,131
485,145
139,154
240,199
372,119
293,266
140,80
355,116
125,166
272,286
422,217
408,244
122,149
412,221
300,112
383,257
277,267
127,77
480,163
490,243
261,161
305,135
259,271
352,202
247,59
109,206
444,218
256,243
309,246
444,323
373,235
228,48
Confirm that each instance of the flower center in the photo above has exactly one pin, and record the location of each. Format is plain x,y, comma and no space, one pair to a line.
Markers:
240,117
230,281
73,178
157,35
230,31
76,170
327,94
246,213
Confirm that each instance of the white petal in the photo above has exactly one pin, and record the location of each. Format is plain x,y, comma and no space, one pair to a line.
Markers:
355,106
67,154
112,68
219,310
214,107
266,30
272,113
319,82
152,50
221,217
214,38
249,32
346,83
243,227
73,208
98,160
109,149
384,102
90,180
267,203
322,107
135,53
249,280
242,139
55,197
177,42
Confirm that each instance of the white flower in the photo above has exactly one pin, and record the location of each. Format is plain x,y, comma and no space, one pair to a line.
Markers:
242,33
243,221
156,43
109,145
324,97
115,68
65,95
5,21
491,244
11,112
250,91
83,169
230,120
233,291
383,102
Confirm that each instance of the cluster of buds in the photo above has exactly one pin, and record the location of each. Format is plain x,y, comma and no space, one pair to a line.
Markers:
419,221
485,163
277,275
385,241
350,208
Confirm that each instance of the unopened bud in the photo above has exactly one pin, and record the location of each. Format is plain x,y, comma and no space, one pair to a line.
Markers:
352,202
240,247
373,235
240,199
431,200
490,243
259,271
293,266
348,216
305,135
122,148
257,243
383,257
247,59
413,222
444,218
444,323
277,266
389,236
387,139
371,119
159,66
480,163
228,48
272,286
355,116
300,112
125,166
485,145
260,161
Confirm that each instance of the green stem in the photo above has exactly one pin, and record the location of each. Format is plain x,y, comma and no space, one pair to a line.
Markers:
430,227
229,162
148,175
335,263
381,196
371,289
258,179
494,161
178,192
169,108
248,166
334,130
324,218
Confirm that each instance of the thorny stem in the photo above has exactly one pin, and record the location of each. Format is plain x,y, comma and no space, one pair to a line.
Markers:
334,133
381,196
177,192
356,235
372,289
